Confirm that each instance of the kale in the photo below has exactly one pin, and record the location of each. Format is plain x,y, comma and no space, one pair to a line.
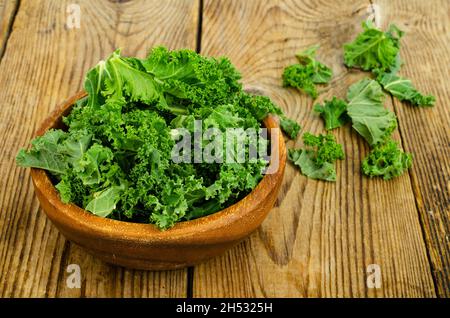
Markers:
379,52
333,112
403,89
369,117
374,50
306,73
387,161
115,157
317,159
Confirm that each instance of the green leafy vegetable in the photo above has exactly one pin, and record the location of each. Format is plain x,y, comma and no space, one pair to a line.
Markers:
306,73
321,73
387,161
105,201
300,77
403,89
115,156
373,49
290,126
369,117
333,113
45,153
378,51
316,161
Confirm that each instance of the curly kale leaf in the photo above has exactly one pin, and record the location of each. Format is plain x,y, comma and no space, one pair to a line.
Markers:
325,146
45,154
56,151
316,161
105,201
306,73
387,161
115,157
333,112
403,89
300,77
374,50
322,73
369,117
261,106
177,65
290,127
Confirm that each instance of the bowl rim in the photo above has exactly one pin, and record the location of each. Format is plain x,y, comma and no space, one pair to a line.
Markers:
87,222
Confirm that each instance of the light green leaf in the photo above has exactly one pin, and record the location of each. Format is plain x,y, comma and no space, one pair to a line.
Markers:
290,127
305,160
308,72
369,117
44,153
403,89
104,202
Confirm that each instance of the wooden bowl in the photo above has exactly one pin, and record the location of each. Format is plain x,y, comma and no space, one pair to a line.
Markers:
144,246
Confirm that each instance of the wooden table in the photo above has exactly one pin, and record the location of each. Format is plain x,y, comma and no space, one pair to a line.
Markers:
320,238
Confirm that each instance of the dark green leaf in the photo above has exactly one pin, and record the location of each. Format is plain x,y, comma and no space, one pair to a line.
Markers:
387,161
373,49
316,161
333,113
307,73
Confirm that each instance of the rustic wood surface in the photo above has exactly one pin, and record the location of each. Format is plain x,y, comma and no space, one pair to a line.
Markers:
8,10
320,237
47,62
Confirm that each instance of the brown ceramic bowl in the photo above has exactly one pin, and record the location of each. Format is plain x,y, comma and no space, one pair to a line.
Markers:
144,246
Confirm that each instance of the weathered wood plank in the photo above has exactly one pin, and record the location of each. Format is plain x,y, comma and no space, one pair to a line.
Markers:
426,132
44,63
8,9
320,237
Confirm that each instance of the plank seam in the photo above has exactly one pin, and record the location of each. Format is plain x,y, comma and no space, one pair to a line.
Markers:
190,282
9,29
198,48
430,264
62,265
416,203
198,45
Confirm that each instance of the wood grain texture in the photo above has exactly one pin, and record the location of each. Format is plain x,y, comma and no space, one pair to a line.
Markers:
44,63
8,10
426,132
320,237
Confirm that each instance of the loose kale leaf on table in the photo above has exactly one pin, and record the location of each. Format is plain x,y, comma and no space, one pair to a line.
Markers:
291,127
306,73
369,117
316,160
387,161
333,112
374,50
379,52
403,89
